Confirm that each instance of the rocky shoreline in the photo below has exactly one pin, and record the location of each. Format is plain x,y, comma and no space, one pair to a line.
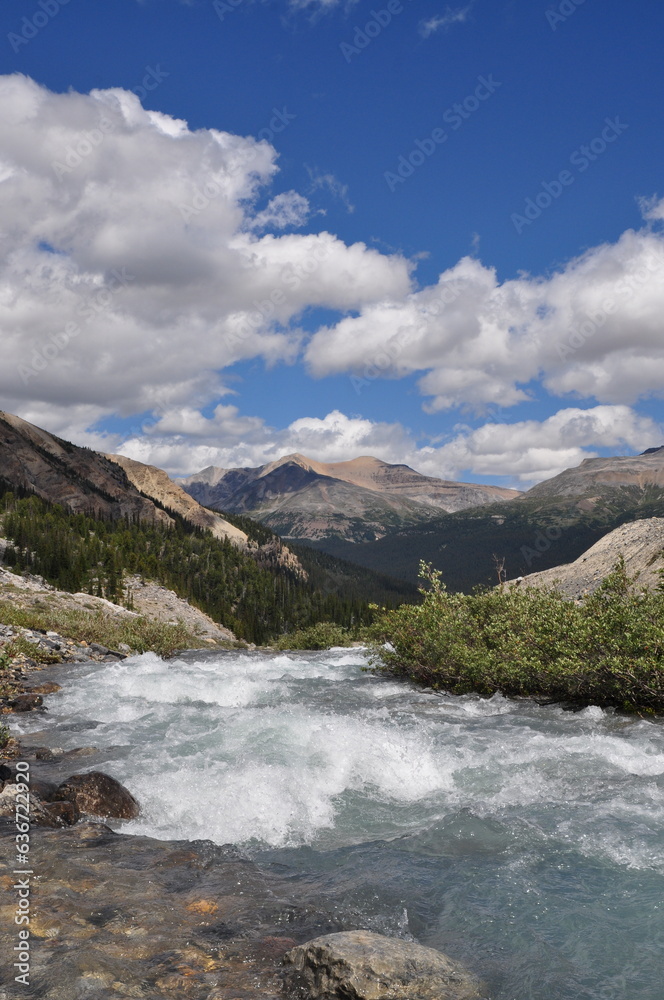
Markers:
20,687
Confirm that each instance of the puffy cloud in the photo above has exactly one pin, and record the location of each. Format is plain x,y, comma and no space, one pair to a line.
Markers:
532,450
136,268
184,441
592,329
131,271
652,208
287,209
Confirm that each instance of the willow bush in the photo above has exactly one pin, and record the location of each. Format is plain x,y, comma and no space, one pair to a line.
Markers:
606,649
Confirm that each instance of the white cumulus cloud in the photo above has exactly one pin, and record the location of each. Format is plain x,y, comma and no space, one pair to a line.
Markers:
593,329
524,452
131,269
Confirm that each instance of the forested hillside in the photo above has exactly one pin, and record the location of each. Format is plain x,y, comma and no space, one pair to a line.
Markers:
79,552
529,535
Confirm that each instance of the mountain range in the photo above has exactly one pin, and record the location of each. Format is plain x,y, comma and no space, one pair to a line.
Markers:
113,488
370,522
357,501
551,524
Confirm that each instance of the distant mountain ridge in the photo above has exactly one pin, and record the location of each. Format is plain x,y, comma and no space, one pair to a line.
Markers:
113,486
86,481
646,469
79,479
554,523
359,500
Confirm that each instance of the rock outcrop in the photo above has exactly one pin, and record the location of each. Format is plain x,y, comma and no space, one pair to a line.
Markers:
157,485
361,965
94,794
641,543
80,479
600,474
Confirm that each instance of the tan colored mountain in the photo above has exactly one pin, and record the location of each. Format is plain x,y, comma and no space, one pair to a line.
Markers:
602,473
155,483
359,500
402,481
87,481
640,542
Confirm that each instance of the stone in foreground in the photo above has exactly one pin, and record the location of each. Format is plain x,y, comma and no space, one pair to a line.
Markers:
97,794
361,965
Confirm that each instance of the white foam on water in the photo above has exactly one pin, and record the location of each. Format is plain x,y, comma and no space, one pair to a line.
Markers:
293,748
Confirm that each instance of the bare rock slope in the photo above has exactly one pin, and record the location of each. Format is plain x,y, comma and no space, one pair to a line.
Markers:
155,483
149,599
82,480
599,474
640,542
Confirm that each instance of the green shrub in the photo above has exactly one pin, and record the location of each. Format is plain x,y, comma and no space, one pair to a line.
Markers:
320,636
606,650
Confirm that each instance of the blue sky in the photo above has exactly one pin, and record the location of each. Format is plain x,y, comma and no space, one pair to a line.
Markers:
514,148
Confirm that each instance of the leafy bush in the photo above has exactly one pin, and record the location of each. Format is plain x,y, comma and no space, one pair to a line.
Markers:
320,636
606,650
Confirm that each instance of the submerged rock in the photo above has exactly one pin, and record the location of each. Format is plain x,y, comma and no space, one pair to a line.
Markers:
361,965
123,916
25,702
97,794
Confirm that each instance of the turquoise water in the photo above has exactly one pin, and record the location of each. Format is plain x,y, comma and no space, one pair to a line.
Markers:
526,841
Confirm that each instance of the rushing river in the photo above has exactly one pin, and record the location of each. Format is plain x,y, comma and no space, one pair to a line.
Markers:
527,842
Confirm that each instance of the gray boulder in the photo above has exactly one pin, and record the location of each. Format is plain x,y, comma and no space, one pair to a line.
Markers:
361,965
41,813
